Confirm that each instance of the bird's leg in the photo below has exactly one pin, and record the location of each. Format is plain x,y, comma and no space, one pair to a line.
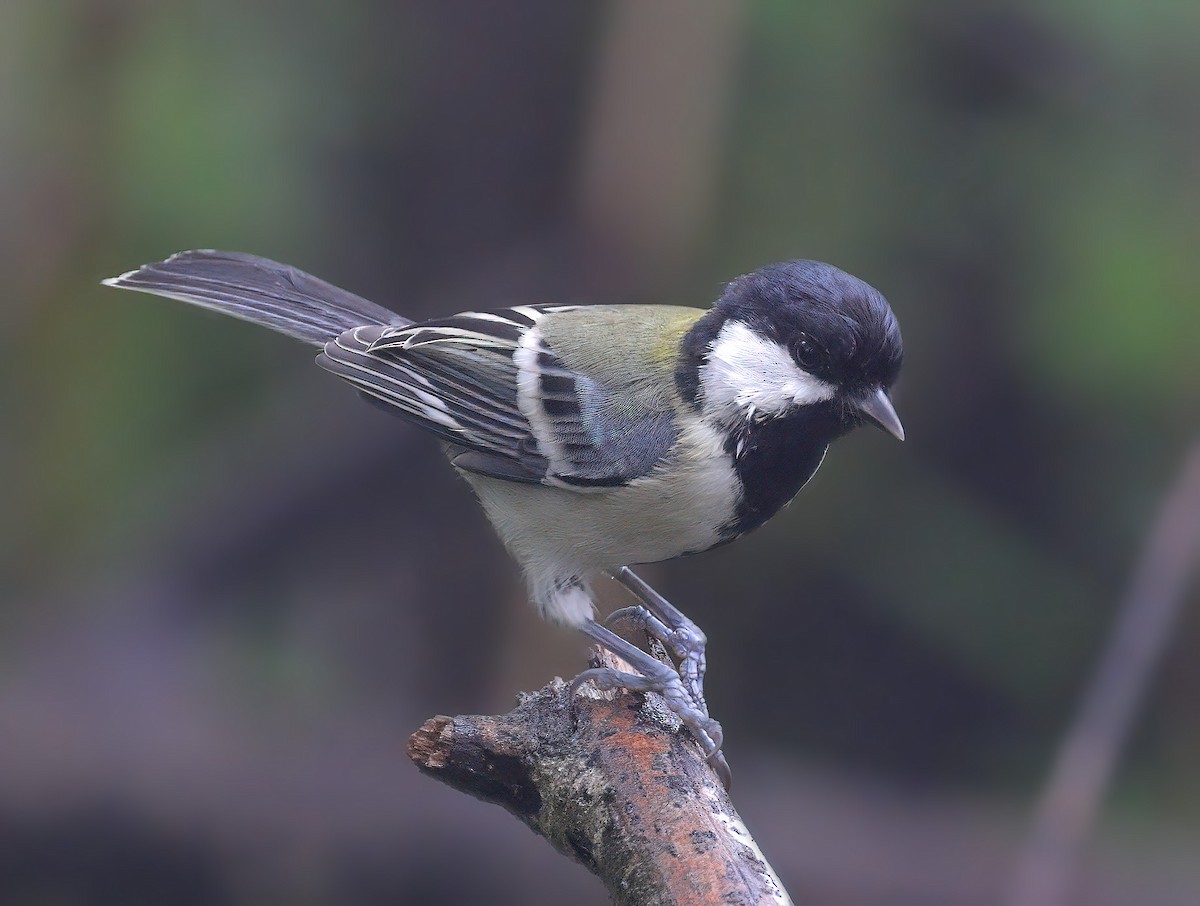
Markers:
655,676
665,622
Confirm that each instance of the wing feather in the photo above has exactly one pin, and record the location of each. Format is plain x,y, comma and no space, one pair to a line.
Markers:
488,384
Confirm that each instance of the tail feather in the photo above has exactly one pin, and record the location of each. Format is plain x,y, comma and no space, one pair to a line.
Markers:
256,289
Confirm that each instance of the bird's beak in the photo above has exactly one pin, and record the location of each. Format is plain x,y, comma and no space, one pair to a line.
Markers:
878,407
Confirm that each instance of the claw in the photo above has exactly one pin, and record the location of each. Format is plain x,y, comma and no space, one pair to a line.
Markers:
656,676
640,618
720,766
707,732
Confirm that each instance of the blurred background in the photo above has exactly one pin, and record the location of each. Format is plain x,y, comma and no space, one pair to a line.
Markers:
230,591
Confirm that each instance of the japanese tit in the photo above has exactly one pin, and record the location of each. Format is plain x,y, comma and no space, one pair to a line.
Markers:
596,437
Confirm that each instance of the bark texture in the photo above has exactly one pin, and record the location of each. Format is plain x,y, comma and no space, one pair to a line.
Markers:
610,780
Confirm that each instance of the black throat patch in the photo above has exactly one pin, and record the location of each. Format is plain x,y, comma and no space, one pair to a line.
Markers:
775,457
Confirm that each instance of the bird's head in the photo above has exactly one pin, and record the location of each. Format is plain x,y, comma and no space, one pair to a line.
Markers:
796,335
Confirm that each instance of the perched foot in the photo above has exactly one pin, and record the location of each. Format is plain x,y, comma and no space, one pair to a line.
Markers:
662,620
655,676
683,644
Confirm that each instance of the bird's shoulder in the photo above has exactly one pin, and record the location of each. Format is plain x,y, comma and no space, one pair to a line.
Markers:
625,403
619,345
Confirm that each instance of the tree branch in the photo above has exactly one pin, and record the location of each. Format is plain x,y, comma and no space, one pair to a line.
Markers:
613,783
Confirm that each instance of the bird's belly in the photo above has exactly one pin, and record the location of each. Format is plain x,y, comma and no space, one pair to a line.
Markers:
653,518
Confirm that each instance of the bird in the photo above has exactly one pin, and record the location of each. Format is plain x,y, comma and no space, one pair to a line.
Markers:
600,437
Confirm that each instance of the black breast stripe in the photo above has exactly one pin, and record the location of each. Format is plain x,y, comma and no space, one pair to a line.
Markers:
773,460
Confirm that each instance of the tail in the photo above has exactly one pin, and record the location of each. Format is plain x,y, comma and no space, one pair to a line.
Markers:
255,289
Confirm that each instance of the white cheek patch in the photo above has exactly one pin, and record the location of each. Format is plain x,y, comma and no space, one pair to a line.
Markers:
748,375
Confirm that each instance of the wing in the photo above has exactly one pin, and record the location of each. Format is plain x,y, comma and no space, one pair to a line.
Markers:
490,385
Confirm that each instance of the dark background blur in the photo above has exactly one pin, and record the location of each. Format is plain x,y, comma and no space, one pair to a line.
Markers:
230,591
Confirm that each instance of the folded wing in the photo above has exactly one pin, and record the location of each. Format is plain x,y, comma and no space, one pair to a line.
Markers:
489,385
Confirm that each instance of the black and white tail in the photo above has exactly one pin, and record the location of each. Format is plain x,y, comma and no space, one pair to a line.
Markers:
259,290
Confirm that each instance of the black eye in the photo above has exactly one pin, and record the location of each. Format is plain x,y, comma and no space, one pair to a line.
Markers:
807,352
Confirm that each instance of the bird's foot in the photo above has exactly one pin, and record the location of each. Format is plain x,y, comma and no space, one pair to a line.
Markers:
671,626
686,642
654,676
